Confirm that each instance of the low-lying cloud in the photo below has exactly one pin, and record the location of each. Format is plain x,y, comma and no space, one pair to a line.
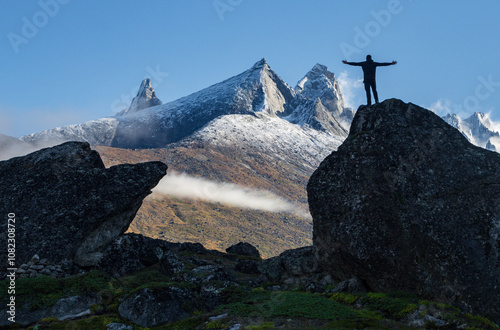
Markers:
350,87
10,148
185,186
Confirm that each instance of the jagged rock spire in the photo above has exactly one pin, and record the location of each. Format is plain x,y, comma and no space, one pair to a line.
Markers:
321,83
145,98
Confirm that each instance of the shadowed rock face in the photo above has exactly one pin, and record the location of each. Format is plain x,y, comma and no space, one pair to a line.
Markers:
406,203
67,205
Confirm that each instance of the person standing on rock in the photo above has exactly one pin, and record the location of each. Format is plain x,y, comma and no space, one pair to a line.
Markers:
369,67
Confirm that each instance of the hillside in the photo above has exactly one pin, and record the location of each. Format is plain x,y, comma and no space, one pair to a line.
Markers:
216,225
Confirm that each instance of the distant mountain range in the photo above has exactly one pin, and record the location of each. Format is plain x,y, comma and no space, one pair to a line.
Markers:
259,92
478,129
312,113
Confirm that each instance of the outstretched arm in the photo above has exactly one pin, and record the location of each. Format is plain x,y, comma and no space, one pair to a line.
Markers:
385,64
353,63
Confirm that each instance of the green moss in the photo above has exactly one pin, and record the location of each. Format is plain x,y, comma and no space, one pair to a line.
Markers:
189,323
395,305
93,322
290,304
40,292
358,324
93,281
44,291
263,326
479,322
367,314
97,322
96,308
49,320
218,324
144,277
344,298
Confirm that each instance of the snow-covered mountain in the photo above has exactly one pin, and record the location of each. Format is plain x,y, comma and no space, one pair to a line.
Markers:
478,129
271,137
320,85
316,104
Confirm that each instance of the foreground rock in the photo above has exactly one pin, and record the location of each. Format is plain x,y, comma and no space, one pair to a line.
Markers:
406,203
291,263
67,205
244,249
153,307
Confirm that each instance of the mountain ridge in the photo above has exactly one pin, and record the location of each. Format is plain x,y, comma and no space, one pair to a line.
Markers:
256,90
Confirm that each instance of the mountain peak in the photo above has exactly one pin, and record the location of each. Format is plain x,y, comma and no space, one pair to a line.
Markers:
260,64
321,83
145,85
320,68
145,98
318,76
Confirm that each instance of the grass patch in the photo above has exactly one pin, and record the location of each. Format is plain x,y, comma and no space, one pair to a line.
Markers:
479,322
345,298
93,322
93,281
189,323
357,324
390,305
44,291
268,304
263,326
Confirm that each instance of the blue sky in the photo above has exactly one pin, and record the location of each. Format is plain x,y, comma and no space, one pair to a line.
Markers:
69,61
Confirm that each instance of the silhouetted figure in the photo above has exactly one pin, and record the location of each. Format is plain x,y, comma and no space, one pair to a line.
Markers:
369,68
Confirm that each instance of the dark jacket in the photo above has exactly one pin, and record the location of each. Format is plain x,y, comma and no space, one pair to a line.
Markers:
368,68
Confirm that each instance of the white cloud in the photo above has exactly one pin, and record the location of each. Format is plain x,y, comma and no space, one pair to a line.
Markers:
441,107
9,150
495,124
350,89
185,186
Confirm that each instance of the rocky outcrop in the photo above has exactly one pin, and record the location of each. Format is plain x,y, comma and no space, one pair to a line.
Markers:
145,98
128,253
153,307
244,249
291,263
36,267
63,309
407,203
66,205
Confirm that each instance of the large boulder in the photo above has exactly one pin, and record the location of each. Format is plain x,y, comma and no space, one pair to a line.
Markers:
290,263
154,307
407,203
67,205
244,249
127,254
